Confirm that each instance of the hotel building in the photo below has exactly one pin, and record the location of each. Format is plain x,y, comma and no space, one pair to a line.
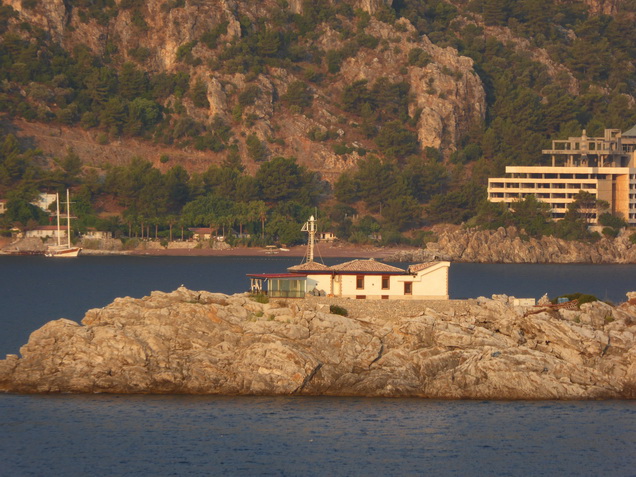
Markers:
603,166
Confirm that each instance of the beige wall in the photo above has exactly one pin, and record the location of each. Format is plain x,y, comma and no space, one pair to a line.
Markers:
559,192
431,283
621,192
46,233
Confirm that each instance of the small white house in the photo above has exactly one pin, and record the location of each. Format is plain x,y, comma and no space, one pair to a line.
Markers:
326,237
3,206
44,200
46,231
93,233
359,279
201,233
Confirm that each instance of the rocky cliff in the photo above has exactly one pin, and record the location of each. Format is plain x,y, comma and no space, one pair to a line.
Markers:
446,95
507,245
206,343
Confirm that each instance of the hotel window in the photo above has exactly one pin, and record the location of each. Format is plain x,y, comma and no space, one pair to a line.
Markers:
408,288
360,282
385,283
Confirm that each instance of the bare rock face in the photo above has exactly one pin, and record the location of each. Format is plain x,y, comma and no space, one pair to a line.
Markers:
507,245
448,97
207,343
605,7
447,90
51,15
369,6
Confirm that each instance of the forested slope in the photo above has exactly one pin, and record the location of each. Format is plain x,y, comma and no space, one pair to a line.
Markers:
404,107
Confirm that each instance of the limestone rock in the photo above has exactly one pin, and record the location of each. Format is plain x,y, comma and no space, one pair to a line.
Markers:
447,94
208,343
506,245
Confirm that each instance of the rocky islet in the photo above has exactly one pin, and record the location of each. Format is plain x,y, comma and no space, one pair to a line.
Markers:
197,342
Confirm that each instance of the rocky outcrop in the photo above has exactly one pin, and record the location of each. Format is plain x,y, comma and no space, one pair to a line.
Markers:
605,7
25,245
507,245
208,343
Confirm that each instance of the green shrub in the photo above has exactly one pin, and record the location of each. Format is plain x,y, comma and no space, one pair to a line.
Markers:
610,232
632,238
338,310
418,57
30,4
248,96
131,244
255,148
609,220
367,41
298,94
260,298
581,297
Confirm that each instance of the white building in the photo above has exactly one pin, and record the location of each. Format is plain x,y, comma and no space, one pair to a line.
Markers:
46,231
603,166
93,233
359,279
44,200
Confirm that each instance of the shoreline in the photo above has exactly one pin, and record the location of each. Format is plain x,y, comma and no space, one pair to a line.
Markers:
296,251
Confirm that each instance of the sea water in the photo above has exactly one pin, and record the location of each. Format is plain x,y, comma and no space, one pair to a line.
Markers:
185,435
107,435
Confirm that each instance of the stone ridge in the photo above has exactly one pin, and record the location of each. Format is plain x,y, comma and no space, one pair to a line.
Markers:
508,245
208,343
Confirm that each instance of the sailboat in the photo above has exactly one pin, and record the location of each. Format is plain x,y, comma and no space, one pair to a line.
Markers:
60,250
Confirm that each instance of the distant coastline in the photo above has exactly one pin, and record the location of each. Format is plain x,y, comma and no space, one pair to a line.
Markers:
452,243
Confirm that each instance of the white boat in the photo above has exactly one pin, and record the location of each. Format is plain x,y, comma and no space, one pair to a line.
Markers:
60,250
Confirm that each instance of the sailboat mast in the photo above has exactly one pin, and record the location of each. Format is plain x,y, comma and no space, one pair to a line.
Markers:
68,218
57,198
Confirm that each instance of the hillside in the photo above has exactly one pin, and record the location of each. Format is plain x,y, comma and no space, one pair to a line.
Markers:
415,102
239,78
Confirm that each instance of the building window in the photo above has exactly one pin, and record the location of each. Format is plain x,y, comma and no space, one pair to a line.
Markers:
361,297
360,282
384,297
408,288
385,283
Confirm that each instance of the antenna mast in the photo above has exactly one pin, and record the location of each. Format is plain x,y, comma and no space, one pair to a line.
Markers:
310,228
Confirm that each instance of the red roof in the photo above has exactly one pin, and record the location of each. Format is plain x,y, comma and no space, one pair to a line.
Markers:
48,227
309,266
369,267
418,267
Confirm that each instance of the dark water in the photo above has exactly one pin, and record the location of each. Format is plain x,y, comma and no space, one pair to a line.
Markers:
180,435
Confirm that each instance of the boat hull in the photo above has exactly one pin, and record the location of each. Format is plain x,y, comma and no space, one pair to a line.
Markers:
68,252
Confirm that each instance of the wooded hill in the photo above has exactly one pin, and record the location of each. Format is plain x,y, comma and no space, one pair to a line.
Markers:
405,107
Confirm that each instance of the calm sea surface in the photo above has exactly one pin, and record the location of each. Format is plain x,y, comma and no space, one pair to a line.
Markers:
182,435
